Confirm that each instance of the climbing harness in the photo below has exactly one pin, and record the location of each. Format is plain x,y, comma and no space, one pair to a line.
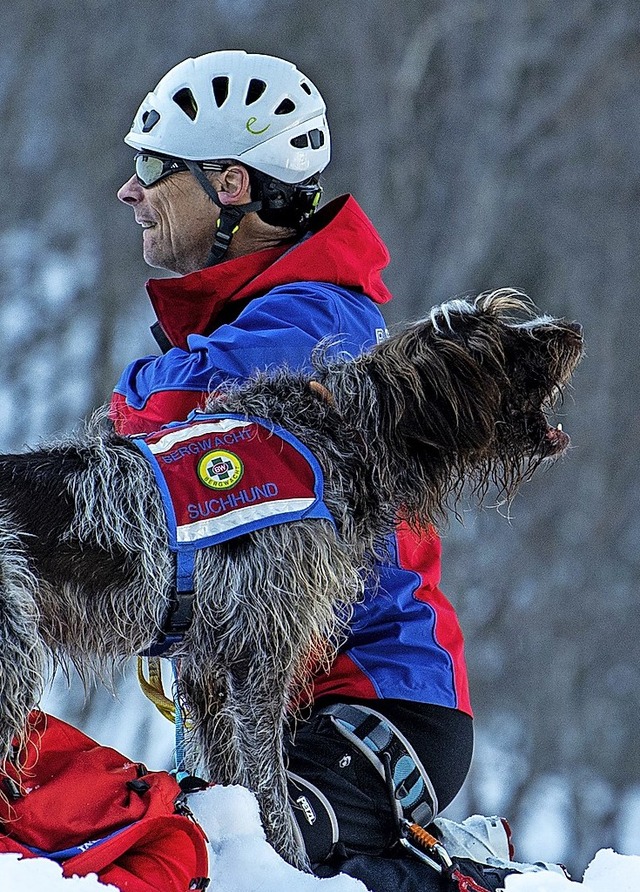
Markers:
413,798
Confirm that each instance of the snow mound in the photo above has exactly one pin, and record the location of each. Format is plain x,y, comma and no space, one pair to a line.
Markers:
608,872
35,874
241,860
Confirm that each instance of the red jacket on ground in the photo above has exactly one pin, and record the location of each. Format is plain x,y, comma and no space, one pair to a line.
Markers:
92,810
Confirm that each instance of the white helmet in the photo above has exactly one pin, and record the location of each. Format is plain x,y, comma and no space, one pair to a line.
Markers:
256,109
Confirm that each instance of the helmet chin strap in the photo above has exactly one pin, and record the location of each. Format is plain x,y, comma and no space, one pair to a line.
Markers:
230,216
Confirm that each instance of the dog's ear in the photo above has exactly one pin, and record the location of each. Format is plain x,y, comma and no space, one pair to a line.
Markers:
433,391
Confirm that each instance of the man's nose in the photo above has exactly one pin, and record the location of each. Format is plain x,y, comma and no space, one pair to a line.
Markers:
131,191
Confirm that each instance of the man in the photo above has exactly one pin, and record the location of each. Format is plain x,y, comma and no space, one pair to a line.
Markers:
229,149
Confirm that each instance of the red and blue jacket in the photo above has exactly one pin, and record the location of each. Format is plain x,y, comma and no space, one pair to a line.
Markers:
269,308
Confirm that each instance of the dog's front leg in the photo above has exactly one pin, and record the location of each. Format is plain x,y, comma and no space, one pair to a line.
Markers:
213,748
259,689
236,716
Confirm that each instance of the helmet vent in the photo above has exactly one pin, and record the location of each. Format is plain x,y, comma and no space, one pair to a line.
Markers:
305,86
285,107
255,90
149,120
220,89
317,138
185,100
314,137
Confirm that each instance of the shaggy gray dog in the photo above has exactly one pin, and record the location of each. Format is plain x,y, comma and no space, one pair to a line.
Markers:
87,573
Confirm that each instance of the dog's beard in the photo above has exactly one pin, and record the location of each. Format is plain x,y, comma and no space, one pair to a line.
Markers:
541,358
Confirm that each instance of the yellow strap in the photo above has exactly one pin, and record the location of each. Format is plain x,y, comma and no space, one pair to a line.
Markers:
153,688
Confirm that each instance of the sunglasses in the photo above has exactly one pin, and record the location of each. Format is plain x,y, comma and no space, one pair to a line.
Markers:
150,169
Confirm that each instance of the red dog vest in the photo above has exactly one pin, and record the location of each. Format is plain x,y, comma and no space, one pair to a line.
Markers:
221,476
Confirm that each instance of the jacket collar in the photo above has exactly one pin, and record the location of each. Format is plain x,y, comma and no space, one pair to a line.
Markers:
343,249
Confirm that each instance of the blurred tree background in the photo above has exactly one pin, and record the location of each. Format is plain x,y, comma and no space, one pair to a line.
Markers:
493,142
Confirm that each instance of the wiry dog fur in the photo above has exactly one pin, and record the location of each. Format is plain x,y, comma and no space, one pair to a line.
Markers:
86,573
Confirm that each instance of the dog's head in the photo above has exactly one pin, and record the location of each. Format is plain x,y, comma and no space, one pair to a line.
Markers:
533,358
466,392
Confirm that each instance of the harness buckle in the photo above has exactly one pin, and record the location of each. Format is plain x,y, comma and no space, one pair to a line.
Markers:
175,624
424,846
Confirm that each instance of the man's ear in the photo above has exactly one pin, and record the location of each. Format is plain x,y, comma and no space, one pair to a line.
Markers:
233,185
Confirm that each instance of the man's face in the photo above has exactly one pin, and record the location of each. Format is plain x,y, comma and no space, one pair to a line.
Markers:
177,218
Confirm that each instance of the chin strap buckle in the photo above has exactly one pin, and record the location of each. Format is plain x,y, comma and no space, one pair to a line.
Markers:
227,225
230,215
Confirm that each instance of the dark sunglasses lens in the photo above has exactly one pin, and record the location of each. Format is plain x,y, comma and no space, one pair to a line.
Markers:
149,169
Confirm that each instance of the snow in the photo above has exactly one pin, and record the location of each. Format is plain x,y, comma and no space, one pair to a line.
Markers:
242,861
240,858
25,875
608,872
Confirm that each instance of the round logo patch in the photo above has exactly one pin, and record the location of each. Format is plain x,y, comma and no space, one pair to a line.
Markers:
220,469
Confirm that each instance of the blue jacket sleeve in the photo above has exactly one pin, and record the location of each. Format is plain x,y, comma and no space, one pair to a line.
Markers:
282,327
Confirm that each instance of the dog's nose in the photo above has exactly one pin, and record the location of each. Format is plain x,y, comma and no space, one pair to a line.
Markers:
573,335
